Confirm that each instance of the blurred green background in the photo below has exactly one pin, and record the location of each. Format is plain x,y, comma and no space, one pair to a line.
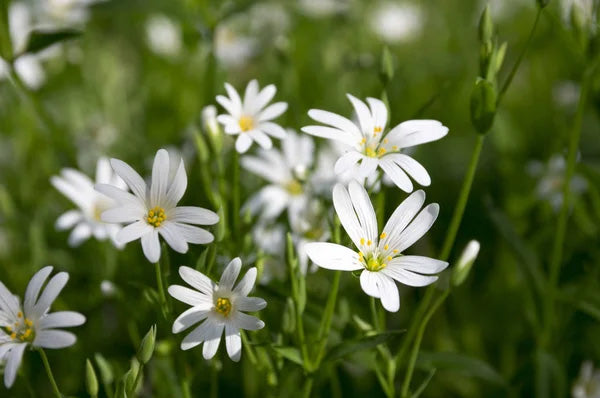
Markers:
137,80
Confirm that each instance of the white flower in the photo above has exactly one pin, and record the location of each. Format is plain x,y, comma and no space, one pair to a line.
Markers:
588,383
286,171
372,147
309,225
153,210
220,306
396,22
249,119
322,8
79,188
209,120
163,36
30,323
380,255
231,48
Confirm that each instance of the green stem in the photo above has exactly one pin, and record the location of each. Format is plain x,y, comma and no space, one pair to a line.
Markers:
161,289
415,351
249,350
325,326
49,373
235,212
374,314
515,67
307,388
138,377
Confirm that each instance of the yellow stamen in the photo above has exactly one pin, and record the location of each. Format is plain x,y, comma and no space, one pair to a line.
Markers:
370,152
246,123
369,242
19,314
156,216
28,322
294,187
385,141
381,151
386,247
377,129
383,235
223,306
395,250
389,258
363,140
362,241
394,148
13,335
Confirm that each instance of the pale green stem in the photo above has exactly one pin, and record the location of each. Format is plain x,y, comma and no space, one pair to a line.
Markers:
325,326
138,377
249,350
161,289
49,373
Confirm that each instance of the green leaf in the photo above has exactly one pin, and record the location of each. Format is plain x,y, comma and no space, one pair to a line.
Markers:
350,347
461,364
39,40
290,353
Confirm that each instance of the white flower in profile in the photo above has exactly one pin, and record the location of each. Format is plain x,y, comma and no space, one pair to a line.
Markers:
379,256
153,210
588,382
286,171
220,306
374,148
163,36
31,323
249,119
395,22
79,188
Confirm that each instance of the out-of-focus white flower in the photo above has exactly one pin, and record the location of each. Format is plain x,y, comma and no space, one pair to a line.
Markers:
583,8
231,48
79,188
31,323
380,256
322,8
61,13
220,308
465,262
153,210
250,119
270,238
552,178
566,94
587,384
108,288
286,172
268,19
374,148
163,35
396,22
309,225
209,120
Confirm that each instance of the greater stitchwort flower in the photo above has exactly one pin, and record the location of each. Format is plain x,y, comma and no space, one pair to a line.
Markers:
372,146
79,188
249,119
220,306
379,256
153,210
30,323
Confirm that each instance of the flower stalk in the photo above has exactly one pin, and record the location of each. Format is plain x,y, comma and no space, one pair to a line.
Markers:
49,373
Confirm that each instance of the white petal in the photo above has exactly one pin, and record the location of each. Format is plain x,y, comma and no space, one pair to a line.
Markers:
396,174
250,95
160,178
13,361
212,341
151,246
235,99
193,234
388,292
131,178
335,120
272,129
250,304
189,318
178,185
193,215
119,195
246,283
247,322
368,283
418,227
75,194
54,339
363,114
330,133
408,278
364,210
230,274
261,138
104,172
134,231
197,280
416,132
272,199
52,290
61,319
123,214
197,336
379,112
189,296
266,169
346,161
68,219
243,143
33,288
345,211
172,235
230,107
332,256
400,218
80,233
367,167
412,168
272,111
264,97
233,342
420,264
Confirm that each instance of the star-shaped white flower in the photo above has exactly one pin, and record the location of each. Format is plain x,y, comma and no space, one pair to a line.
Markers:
374,148
219,306
380,255
79,188
287,172
249,119
31,324
153,210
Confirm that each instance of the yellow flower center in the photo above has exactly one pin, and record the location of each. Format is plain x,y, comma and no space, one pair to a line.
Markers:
156,216
372,262
223,306
22,330
246,123
294,187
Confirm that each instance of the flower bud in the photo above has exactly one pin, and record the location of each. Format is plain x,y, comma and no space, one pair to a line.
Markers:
212,127
486,25
106,373
147,346
387,65
483,105
465,262
91,381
